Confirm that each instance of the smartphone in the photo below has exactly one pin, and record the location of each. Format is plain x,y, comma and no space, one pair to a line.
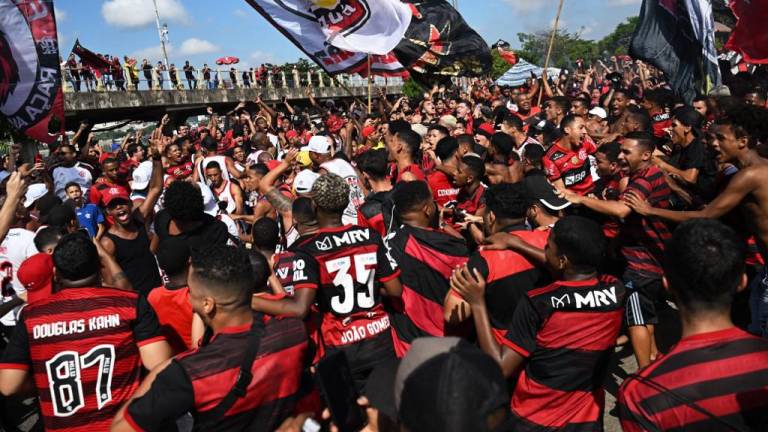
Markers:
337,387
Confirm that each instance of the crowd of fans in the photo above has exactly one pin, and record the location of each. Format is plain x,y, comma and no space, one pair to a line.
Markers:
134,75
475,256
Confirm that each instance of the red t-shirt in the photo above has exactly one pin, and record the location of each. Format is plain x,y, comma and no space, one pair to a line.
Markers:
175,315
413,169
443,190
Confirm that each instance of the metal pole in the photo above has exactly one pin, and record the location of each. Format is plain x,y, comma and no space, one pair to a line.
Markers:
161,33
370,86
551,43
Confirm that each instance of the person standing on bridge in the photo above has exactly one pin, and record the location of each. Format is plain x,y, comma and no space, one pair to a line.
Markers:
147,69
172,73
189,73
159,70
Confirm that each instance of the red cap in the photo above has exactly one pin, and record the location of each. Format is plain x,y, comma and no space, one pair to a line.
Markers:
335,123
291,134
272,164
36,274
487,127
113,193
368,130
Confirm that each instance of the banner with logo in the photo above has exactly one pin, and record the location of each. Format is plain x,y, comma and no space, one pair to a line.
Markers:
426,38
300,22
30,78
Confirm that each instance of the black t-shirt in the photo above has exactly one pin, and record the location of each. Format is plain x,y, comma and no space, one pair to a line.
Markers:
210,232
697,155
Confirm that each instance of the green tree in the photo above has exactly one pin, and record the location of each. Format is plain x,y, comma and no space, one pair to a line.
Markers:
412,89
567,48
618,41
499,65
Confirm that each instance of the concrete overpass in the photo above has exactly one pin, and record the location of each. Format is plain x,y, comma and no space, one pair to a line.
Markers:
111,106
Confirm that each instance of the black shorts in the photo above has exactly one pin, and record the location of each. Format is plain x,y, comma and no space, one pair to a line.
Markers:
365,355
643,294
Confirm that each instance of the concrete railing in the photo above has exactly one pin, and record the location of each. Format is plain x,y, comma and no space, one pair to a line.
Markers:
219,79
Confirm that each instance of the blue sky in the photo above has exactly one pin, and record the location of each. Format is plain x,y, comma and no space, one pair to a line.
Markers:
203,30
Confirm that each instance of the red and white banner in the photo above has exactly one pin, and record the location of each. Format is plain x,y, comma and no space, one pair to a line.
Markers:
338,35
30,78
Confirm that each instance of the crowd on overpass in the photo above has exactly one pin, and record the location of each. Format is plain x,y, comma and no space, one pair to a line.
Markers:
132,75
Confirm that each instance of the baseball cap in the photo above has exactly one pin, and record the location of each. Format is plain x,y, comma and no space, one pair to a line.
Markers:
487,128
291,134
34,192
303,158
448,384
36,274
368,130
272,164
141,175
540,189
319,144
114,193
598,112
304,180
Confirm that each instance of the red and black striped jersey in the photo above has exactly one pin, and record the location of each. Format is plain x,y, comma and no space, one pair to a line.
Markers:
343,264
708,381
376,212
82,347
572,167
642,237
567,332
509,276
426,259
197,380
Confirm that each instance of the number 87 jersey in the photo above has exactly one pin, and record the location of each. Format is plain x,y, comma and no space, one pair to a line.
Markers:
82,346
344,265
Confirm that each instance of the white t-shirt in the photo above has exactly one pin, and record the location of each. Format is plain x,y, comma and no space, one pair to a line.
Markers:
76,173
343,169
17,246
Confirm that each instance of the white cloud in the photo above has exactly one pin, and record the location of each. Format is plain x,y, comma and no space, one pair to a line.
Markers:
141,13
63,48
623,2
61,14
194,46
152,53
241,13
260,57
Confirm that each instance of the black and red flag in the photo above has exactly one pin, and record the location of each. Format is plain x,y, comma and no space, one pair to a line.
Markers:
427,39
677,36
30,78
90,59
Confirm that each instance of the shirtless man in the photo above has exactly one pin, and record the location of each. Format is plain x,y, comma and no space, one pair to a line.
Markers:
736,139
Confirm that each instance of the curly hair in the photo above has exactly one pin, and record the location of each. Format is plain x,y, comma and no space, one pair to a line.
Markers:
184,201
75,257
225,271
331,193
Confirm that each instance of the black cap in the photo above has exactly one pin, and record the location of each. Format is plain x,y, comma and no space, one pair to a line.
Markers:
541,190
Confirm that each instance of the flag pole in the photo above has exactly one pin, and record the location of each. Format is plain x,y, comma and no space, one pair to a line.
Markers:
370,86
551,43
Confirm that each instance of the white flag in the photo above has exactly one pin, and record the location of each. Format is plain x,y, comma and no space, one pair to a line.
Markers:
339,34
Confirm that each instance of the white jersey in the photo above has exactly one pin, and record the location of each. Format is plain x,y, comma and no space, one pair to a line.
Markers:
224,193
76,173
17,246
343,169
221,160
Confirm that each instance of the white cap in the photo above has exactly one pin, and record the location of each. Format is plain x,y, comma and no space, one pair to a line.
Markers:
209,202
304,180
599,112
319,144
34,192
141,175
273,139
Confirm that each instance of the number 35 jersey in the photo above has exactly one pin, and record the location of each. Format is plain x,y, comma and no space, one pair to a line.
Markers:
81,345
343,264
